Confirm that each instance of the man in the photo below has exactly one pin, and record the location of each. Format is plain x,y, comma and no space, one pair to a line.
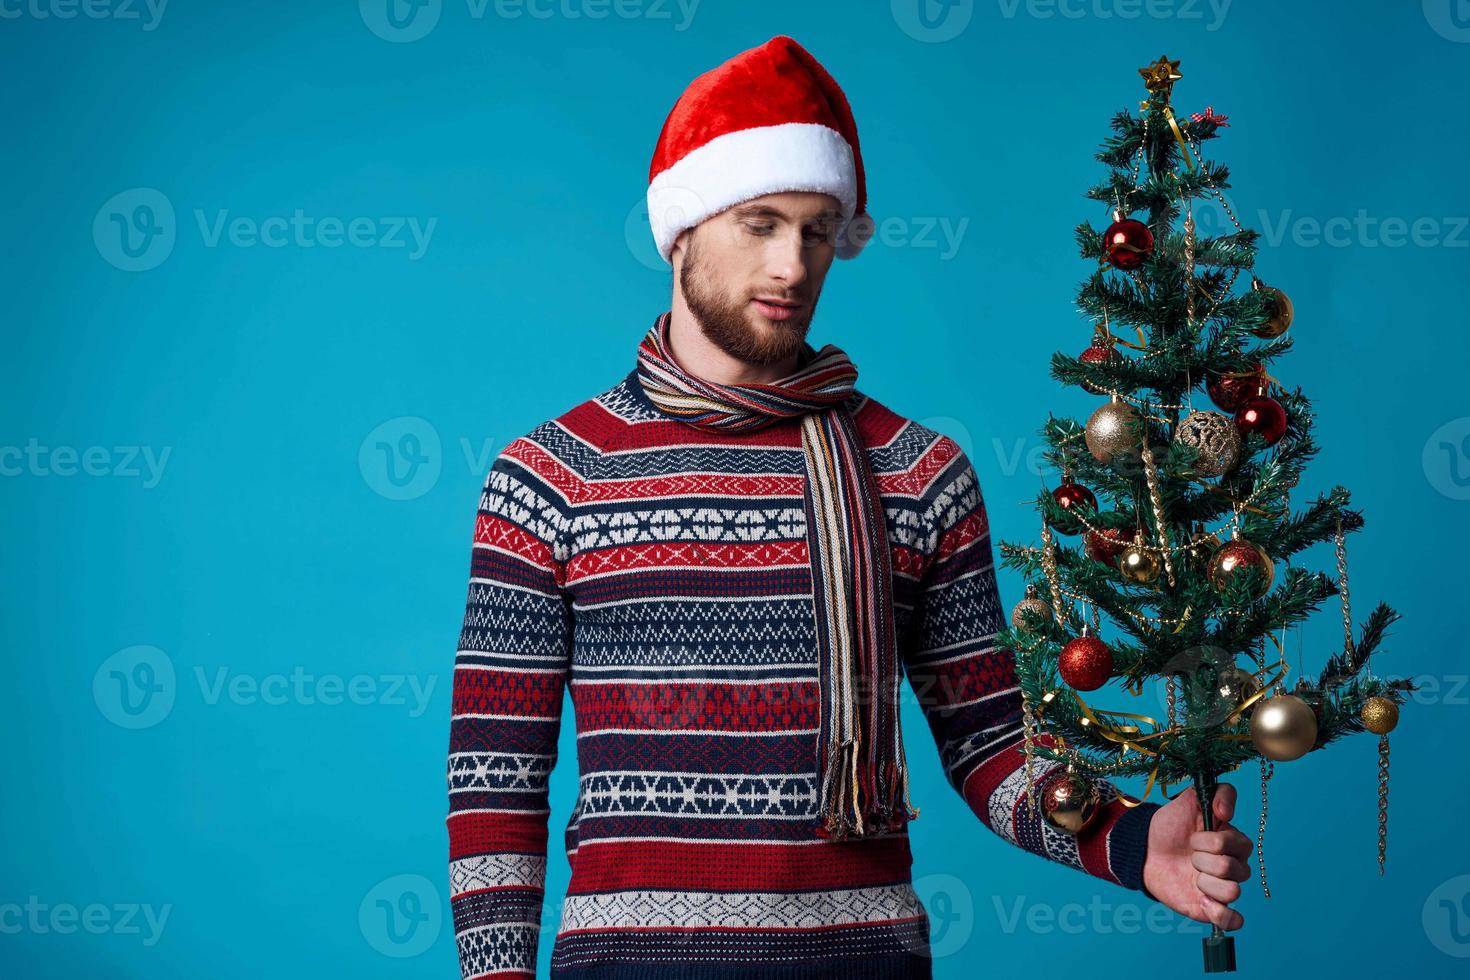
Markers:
730,558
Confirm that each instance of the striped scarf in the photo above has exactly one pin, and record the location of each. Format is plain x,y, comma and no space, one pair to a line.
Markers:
863,776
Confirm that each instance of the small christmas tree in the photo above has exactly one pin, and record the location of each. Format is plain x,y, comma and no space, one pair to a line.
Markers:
1181,510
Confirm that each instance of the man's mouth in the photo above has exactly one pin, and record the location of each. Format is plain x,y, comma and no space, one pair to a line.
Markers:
777,309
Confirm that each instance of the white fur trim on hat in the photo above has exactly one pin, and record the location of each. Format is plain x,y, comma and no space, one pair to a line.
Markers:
747,163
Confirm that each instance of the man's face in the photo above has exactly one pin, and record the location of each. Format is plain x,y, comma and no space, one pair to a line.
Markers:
752,273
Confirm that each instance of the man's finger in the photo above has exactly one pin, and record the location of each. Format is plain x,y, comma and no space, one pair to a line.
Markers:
1221,865
1221,915
1231,842
1220,889
1224,806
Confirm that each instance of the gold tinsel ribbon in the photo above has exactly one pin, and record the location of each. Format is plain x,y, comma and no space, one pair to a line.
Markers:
1159,78
1129,736
1178,135
1142,341
1263,375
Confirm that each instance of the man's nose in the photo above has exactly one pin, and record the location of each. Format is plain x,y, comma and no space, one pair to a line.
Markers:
786,259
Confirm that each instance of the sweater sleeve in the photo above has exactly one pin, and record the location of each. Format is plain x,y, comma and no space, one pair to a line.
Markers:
967,687
509,674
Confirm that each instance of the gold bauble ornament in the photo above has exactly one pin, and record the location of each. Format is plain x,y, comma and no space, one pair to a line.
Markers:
1205,546
1032,603
1380,715
1281,313
1283,728
1113,432
1215,437
1069,801
1138,564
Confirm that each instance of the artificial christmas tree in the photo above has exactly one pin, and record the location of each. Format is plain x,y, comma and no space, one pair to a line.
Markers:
1186,530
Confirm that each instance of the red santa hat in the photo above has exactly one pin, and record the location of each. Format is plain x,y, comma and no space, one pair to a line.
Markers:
770,119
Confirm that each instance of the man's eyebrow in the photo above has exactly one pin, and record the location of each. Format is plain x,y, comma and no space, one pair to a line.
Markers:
766,211
757,211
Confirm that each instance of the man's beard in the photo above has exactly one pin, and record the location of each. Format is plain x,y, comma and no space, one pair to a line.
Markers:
726,323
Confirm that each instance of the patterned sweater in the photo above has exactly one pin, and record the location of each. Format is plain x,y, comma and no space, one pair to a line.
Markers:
659,572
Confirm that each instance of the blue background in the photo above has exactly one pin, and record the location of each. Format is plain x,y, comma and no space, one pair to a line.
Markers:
275,541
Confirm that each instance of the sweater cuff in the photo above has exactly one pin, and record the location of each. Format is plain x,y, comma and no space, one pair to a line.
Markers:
1128,846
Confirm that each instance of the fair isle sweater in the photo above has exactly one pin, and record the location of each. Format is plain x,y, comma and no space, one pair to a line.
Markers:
659,573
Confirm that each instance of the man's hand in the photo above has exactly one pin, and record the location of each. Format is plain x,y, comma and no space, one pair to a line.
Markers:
1192,870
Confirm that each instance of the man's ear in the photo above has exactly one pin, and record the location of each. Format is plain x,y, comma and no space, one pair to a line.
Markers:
681,242
677,251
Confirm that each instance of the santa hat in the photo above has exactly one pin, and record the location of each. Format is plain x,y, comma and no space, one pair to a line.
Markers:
768,120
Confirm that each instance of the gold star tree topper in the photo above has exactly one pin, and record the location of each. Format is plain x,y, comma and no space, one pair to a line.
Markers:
1161,75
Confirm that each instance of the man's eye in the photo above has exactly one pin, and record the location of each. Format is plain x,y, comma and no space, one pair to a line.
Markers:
760,229
816,236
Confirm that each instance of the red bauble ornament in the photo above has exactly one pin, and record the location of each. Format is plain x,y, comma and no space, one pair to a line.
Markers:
1086,663
1128,243
1263,415
1069,495
1101,352
1230,392
1238,554
1106,544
